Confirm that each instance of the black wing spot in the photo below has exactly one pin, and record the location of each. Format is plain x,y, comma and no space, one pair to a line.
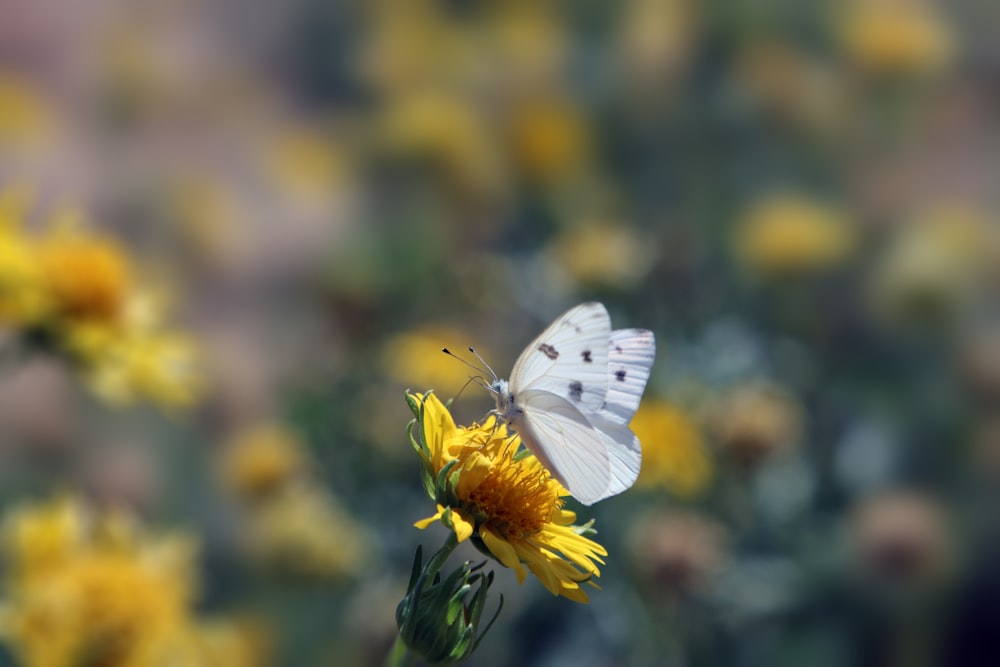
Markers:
578,329
618,349
548,351
620,375
576,390
586,356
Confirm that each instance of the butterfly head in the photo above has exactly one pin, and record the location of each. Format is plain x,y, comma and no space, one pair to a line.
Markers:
504,397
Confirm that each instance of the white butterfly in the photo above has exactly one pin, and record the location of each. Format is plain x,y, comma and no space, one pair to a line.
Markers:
571,396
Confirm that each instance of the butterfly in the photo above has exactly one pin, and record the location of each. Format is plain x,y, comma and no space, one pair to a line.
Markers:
571,396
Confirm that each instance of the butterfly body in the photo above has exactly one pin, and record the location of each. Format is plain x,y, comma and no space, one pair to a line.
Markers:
571,395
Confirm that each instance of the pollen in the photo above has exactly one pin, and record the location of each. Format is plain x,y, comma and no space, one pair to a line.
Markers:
516,500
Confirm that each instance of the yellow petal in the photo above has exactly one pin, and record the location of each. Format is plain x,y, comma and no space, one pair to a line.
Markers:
462,525
504,552
423,523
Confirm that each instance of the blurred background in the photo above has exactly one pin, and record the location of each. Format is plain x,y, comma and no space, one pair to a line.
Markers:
233,233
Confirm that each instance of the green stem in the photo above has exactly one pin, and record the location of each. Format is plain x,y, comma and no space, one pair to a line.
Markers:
438,561
399,656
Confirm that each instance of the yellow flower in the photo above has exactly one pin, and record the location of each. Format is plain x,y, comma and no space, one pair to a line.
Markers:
87,278
302,531
415,359
789,235
22,298
262,459
304,161
24,116
135,358
602,254
550,138
451,134
504,500
674,454
160,367
85,587
897,36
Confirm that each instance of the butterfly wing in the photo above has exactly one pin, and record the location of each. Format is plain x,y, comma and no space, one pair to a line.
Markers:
565,442
630,358
568,359
624,453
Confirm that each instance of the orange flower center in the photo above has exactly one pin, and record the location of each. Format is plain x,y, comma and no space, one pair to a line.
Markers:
87,279
514,499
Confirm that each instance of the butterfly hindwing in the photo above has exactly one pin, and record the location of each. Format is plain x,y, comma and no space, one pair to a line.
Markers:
566,443
624,453
630,358
568,359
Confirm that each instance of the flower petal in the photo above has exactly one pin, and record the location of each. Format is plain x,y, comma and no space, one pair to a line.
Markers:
504,552
462,525
423,523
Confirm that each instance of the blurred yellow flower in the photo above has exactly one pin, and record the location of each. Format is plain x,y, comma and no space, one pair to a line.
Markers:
86,588
674,455
22,296
163,368
789,84
550,138
261,460
303,160
80,288
87,277
603,254
451,133
934,265
790,235
897,36
303,532
656,39
509,505
415,359
24,115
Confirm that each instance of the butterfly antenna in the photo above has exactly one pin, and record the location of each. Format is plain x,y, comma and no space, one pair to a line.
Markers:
483,362
452,354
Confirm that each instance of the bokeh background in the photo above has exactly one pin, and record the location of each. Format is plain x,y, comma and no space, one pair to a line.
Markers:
315,196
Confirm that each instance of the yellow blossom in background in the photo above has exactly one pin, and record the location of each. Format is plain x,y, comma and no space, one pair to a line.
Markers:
896,36
81,587
656,39
163,368
449,132
604,254
793,86
790,235
80,288
934,264
550,138
24,115
674,455
22,295
303,532
506,502
415,358
304,162
87,277
261,460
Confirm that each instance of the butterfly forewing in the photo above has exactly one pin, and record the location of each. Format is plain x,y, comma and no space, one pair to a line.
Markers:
566,443
568,359
630,358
